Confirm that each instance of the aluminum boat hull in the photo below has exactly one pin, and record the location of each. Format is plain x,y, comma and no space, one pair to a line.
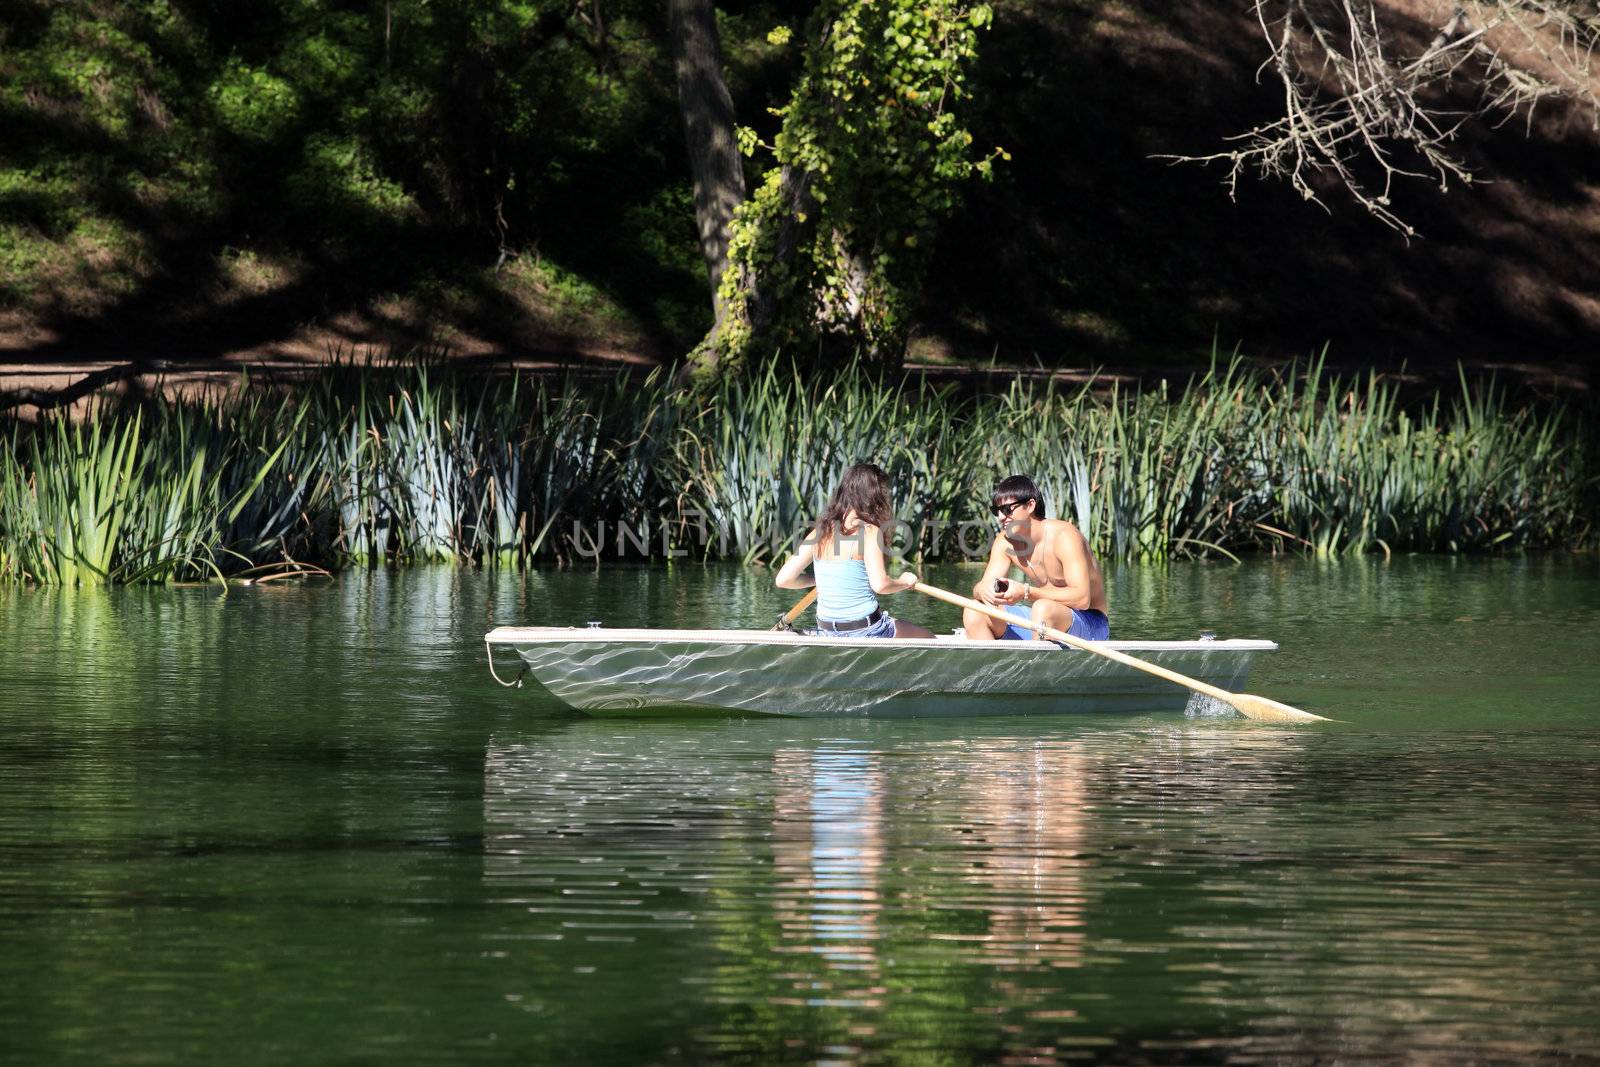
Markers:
759,672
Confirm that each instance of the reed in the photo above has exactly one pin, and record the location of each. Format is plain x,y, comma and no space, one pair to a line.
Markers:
282,507
67,490
433,465
394,463
127,495
756,459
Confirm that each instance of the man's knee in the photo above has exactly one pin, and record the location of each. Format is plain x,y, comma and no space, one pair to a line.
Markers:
1050,613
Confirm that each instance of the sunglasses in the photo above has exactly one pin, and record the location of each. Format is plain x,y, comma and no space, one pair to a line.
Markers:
1005,510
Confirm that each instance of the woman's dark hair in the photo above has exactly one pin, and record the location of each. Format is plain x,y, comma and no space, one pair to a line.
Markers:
1018,487
864,489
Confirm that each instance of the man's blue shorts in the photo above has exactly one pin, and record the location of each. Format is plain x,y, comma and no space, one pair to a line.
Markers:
1089,624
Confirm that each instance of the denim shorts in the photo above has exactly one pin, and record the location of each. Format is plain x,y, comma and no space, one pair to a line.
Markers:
884,627
1089,624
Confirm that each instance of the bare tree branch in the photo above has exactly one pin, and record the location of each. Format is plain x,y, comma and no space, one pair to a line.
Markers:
1360,113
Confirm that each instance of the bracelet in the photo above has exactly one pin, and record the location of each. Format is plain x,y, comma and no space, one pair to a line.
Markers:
1027,592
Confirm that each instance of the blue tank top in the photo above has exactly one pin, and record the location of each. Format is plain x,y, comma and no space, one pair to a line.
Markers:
843,591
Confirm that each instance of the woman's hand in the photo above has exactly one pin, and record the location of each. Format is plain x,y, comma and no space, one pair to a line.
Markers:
908,579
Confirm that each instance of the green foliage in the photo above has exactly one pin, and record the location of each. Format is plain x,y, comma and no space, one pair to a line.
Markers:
416,463
390,135
759,458
1245,461
119,497
403,138
337,175
67,504
869,157
94,67
254,104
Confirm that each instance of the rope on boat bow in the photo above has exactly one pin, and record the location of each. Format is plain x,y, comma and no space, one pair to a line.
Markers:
515,683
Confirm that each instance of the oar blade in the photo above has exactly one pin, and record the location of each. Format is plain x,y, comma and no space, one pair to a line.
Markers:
1252,707
1265,709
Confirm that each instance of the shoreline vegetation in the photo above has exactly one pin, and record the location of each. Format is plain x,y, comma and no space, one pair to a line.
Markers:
198,182
398,463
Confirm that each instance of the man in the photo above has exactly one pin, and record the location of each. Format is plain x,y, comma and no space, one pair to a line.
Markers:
1061,584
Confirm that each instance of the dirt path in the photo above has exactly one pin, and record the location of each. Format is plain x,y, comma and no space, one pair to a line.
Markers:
29,384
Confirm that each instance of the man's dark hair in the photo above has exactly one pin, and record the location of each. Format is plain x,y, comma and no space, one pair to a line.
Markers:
1018,487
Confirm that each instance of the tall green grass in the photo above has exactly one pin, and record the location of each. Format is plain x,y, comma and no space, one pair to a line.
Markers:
756,459
142,494
393,464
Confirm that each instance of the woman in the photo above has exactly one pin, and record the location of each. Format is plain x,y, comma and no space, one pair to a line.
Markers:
845,551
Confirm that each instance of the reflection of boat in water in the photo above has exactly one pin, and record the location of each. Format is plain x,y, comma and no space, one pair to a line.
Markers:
763,672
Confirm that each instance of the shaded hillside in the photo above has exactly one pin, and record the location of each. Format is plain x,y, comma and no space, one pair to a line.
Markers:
1087,244
140,215
189,181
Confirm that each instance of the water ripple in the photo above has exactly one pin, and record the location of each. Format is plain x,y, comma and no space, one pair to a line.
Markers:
304,820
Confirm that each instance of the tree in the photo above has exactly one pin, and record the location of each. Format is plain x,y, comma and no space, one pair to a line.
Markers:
867,159
708,127
1367,102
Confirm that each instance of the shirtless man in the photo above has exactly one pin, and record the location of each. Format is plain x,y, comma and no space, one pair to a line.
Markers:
1061,585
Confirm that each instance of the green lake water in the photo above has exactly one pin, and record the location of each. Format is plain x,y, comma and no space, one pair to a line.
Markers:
301,824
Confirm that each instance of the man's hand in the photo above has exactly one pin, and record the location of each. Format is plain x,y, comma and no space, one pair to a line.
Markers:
1012,594
986,593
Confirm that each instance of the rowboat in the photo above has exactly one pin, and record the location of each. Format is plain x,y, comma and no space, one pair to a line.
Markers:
762,672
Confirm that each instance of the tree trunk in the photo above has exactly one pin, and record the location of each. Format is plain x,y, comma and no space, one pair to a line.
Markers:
797,203
708,129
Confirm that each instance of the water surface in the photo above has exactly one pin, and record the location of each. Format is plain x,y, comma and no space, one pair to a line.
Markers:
301,824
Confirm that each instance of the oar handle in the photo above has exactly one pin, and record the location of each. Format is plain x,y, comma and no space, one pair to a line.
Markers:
796,611
1076,642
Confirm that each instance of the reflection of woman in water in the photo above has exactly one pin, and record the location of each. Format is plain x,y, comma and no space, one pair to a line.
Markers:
846,553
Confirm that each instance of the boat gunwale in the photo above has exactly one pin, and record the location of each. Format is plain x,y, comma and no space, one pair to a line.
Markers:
546,635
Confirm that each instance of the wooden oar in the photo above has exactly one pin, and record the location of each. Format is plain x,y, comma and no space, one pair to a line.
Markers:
1253,707
786,622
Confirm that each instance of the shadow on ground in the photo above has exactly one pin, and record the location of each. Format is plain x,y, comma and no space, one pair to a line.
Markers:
1087,245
